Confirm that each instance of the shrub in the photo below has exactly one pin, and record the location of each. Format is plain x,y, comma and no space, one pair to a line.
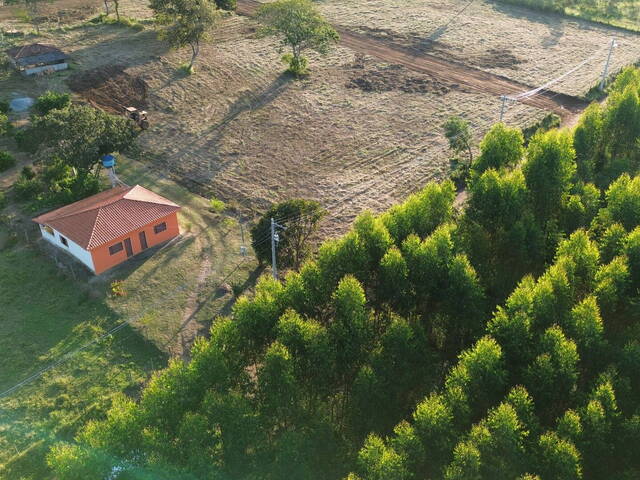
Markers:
27,188
51,101
297,65
185,69
460,175
216,205
3,200
27,172
27,140
4,106
6,161
5,125
117,289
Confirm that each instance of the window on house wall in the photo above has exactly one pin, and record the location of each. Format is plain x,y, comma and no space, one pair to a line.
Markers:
161,227
64,241
48,229
113,249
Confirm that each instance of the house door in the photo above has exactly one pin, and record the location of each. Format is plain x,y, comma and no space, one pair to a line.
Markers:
143,240
127,247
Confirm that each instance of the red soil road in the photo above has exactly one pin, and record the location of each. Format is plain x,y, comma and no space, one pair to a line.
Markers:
446,70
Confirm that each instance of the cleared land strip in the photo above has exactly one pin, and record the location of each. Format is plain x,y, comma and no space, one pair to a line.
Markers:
446,70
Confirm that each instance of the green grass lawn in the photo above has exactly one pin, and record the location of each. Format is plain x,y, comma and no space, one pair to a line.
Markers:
171,294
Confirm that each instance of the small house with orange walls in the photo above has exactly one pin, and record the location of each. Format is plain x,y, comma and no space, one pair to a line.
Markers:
106,229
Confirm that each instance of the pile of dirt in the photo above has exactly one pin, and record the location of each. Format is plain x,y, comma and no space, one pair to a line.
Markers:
498,58
392,77
110,88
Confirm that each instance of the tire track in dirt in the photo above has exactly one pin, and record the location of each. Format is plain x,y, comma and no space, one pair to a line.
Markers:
446,70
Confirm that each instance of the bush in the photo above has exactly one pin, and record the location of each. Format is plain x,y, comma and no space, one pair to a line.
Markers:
5,125
185,69
27,188
27,172
216,205
297,66
6,161
51,101
4,106
3,200
117,289
27,140
460,175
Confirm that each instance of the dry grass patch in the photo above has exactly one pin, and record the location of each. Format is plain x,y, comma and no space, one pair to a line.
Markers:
518,43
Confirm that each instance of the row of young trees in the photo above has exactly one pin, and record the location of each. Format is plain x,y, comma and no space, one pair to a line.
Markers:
381,357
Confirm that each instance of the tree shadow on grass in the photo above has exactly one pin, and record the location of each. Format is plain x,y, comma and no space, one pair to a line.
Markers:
555,22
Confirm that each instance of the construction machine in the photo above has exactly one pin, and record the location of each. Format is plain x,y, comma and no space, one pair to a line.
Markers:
138,116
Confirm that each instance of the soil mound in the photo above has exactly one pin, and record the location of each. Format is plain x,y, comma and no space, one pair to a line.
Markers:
392,77
110,88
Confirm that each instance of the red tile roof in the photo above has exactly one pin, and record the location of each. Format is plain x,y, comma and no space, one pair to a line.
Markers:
103,217
32,50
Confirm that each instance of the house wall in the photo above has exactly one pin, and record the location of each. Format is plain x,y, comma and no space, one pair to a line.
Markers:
103,260
43,68
73,248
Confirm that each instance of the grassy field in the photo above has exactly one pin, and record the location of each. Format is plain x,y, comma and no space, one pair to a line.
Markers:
172,294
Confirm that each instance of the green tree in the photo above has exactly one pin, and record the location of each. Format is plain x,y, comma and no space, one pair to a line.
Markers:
548,171
501,147
51,101
434,427
552,376
300,26
379,461
458,134
422,212
588,142
79,135
558,458
186,22
622,125
277,389
623,203
480,375
301,219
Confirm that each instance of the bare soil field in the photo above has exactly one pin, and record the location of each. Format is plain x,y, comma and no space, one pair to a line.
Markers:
521,44
110,88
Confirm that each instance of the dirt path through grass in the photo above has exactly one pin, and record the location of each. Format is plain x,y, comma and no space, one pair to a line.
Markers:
191,327
446,70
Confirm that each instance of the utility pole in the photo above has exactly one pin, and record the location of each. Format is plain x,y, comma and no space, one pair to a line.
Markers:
504,99
274,241
605,72
274,269
243,248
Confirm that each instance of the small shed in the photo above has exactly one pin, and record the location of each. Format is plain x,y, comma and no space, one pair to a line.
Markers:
37,58
106,229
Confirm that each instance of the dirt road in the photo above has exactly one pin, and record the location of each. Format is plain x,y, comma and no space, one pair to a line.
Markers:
446,70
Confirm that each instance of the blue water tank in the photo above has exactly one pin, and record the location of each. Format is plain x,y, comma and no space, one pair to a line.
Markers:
108,161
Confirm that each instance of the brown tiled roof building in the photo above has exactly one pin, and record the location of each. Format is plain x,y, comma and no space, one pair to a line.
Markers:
134,216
